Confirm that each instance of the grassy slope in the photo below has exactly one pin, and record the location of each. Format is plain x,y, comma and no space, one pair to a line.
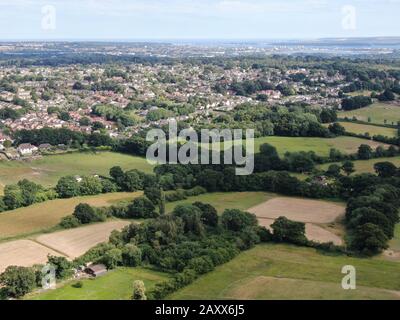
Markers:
372,130
378,112
271,271
320,146
45,215
395,242
227,200
366,165
116,285
48,170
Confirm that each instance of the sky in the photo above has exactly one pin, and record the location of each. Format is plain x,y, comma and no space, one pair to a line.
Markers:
200,19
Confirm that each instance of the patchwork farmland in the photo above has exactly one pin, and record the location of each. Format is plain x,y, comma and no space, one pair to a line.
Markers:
69,243
42,216
316,215
49,169
271,271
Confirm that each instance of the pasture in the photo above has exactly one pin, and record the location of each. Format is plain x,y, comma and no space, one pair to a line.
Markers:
278,271
75,242
226,200
371,130
49,169
42,216
377,113
320,146
366,166
115,285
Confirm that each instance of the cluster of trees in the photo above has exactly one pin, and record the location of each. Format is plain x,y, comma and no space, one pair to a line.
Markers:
372,213
49,135
386,95
23,194
357,102
9,113
293,121
113,113
15,282
248,87
26,193
103,85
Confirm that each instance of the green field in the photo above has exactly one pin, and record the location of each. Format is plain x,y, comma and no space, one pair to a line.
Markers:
395,242
42,216
48,170
366,165
320,146
227,200
377,112
115,285
371,130
271,271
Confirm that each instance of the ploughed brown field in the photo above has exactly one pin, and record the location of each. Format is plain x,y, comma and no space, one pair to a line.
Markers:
75,242
24,253
313,213
69,243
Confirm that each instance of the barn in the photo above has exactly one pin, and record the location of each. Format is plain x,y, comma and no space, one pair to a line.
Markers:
96,270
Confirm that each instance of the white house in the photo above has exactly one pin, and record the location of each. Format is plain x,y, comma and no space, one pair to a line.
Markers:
26,149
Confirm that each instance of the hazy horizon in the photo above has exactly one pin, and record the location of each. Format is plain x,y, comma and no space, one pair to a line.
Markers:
174,20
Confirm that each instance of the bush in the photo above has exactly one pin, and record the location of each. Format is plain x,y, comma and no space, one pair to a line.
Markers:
237,220
112,258
78,285
86,214
286,230
18,281
131,255
69,222
177,195
201,265
141,208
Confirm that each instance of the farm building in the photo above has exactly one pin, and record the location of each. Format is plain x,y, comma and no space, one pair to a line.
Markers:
96,270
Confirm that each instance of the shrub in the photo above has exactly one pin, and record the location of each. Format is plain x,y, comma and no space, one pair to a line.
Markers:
141,208
70,222
237,220
78,285
201,265
131,255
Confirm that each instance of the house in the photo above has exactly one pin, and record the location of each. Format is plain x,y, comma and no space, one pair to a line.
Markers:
26,149
96,270
44,146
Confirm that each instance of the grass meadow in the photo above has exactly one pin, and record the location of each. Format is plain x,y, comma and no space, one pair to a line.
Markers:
42,216
275,271
366,166
226,200
372,130
115,285
377,113
320,146
49,169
